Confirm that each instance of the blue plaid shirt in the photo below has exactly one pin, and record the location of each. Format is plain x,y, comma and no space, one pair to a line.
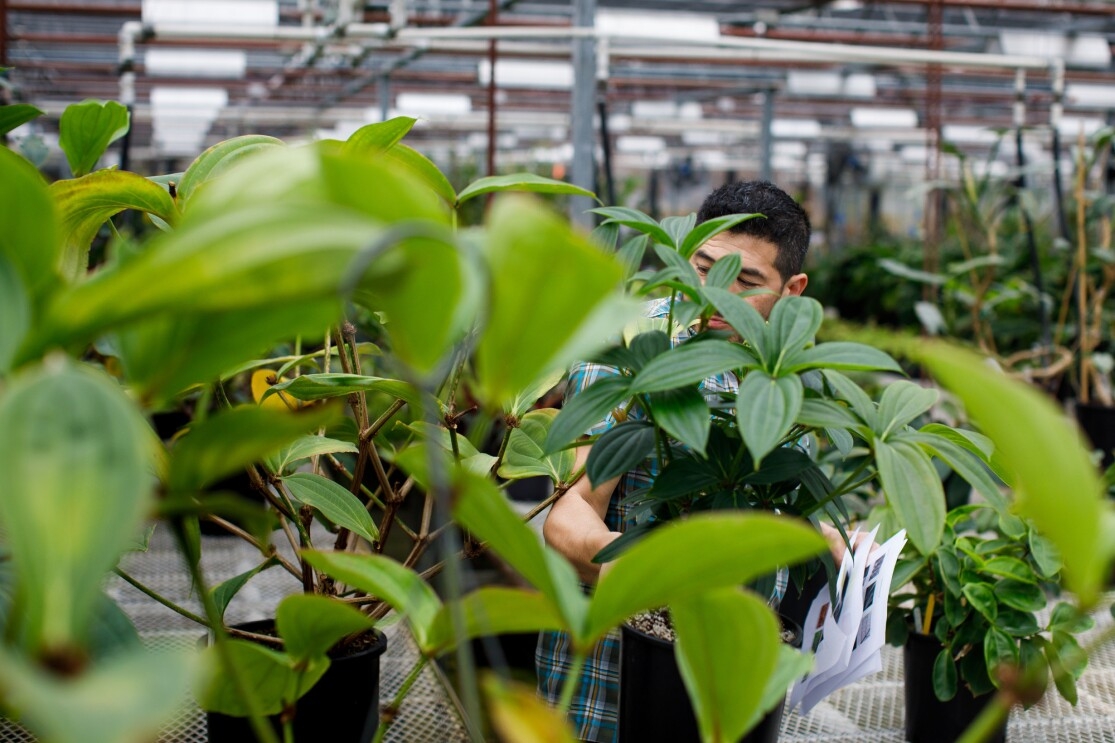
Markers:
595,706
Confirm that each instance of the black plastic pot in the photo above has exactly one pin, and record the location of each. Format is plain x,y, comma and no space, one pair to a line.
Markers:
928,719
1098,422
653,702
342,707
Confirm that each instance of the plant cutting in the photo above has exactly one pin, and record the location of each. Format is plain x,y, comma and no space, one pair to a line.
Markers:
971,618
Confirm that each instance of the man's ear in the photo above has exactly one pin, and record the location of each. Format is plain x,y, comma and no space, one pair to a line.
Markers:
795,285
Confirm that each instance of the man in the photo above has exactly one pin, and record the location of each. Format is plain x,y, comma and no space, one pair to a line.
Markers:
586,519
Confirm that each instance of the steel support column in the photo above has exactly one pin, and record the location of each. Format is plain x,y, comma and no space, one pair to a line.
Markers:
584,98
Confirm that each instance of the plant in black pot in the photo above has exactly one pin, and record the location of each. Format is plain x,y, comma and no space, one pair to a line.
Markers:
975,616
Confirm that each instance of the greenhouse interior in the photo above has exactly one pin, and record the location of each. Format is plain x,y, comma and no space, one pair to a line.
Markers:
484,370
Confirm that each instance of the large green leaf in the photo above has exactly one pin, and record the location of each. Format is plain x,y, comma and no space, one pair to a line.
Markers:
255,257
29,237
219,158
982,598
636,220
854,395
15,312
129,697
540,319
491,611
841,355
17,114
270,676
705,230
826,414
689,363
310,624
901,402
528,182
526,455
793,323
766,409
378,137
742,316
224,592
86,203
74,487
913,490
586,409
86,129
387,579
684,415
620,449
964,462
1055,483
421,166
484,511
377,186
529,396
324,386
334,502
229,441
311,446
722,549
720,633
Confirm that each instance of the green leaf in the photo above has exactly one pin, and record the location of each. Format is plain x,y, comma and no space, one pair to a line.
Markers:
539,320
1056,484
85,204
689,363
1020,595
422,168
334,502
901,403
982,598
586,409
819,413
1017,623
129,697
944,676
219,158
1067,618
683,414
385,578
224,592
528,396
379,137
710,228
636,220
1009,567
679,226
766,410
913,489
528,182
903,271
519,714
526,455
1045,555
841,355
999,648
15,312
723,272
1063,678
310,624
86,129
491,611
719,633
267,674
724,549
853,394
619,450
311,446
964,462
29,239
16,115
483,509
231,440
744,318
324,386
793,323
72,444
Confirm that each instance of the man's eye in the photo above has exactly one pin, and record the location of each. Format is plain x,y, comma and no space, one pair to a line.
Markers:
702,269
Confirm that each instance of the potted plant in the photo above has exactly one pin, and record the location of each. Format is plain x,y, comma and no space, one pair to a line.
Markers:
971,618
715,454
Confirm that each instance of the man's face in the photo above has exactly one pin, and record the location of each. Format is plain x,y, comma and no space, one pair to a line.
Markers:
757,271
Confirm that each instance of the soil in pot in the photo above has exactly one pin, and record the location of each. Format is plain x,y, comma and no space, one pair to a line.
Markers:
653,702
928,719
342,707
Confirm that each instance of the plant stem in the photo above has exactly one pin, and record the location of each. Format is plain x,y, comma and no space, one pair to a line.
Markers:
268,551
161,599
571,680
385,720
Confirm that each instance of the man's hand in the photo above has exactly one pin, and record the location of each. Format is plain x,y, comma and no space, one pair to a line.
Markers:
836,542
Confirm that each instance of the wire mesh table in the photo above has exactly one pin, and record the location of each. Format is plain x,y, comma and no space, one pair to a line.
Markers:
869,711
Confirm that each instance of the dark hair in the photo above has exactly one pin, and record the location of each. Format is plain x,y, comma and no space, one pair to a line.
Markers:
786,224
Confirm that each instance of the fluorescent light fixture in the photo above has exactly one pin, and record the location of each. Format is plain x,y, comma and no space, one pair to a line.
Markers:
830,83
1081,50
875,144
632,144
711,159
1071,126
703,138
690,111
657,25
858,85
433,104
654,110
515,73
1082,95
790,149
195,63
914,153
186,100
619,123
782,162
795,128
899,118
241,12
560,154
968,134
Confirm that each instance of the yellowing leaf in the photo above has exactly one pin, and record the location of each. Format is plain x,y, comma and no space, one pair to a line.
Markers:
263,380
518,714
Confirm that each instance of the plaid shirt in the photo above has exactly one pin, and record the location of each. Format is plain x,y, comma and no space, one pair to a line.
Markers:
595,706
